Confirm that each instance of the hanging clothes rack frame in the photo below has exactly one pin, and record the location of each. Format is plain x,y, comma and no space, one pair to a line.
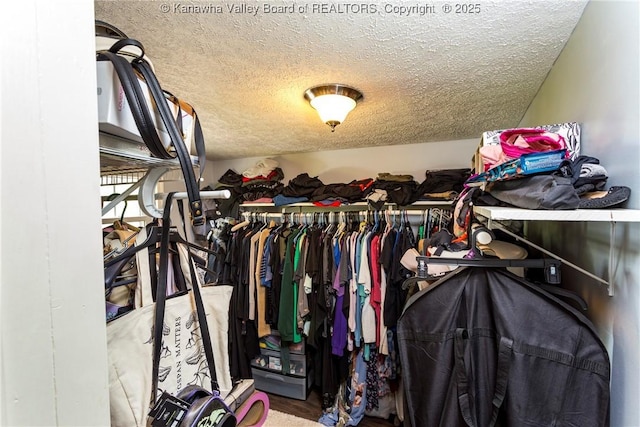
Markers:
550,265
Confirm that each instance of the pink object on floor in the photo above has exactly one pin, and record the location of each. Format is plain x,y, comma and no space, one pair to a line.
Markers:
253,412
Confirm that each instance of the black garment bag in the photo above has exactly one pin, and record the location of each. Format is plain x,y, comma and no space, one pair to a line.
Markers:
483,347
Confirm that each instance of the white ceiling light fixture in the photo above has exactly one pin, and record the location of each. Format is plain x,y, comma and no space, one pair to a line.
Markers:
333,102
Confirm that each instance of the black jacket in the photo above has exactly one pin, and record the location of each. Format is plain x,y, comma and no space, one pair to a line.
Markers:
483,347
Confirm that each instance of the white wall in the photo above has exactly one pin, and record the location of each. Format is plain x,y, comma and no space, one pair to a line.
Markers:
595,81
337,166
53,367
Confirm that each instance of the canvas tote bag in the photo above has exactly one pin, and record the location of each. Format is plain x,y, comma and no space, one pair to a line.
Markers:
182,357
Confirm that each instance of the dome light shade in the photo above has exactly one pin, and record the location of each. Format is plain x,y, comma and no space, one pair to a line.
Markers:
333,108
333,102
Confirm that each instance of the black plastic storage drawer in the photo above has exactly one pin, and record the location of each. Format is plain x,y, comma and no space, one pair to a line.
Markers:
283,385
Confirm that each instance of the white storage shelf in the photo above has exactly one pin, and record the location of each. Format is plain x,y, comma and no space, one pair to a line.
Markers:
119,156
577,215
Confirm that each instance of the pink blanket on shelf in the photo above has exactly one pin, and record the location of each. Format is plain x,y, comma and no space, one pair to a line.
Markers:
517,142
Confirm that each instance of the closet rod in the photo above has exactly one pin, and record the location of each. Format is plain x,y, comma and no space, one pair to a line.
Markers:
216,194
279,214
392,212
408,212
148,196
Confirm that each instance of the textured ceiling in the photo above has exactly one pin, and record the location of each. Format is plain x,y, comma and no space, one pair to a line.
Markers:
436,77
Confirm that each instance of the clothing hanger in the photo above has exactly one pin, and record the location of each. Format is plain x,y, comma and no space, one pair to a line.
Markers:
383,221
433,221
121,224
283,223
242,224
176,237
114,266
376,222
426,222
338,223
362,221
257,224
387,219
125,244
551,266
153,238
328,226
440,218
303,219
355,221
265,222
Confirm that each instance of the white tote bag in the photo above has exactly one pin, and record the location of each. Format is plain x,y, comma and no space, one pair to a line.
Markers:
183,361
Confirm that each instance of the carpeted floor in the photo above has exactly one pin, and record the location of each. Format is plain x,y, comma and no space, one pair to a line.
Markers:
280,419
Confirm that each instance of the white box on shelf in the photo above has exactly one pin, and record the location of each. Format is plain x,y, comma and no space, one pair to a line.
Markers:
114,113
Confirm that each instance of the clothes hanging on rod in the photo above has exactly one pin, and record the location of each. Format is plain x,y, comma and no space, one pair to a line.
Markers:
330,278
